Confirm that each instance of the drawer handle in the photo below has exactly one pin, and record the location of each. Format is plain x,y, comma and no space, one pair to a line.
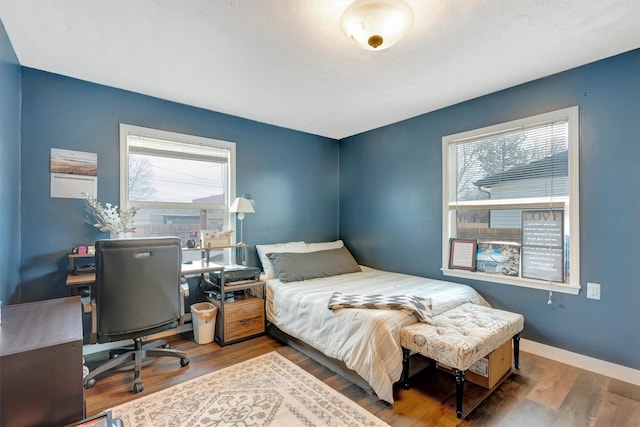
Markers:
245,321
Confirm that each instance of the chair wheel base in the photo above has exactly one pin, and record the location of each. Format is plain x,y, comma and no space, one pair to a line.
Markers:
90,383
184,361
138,387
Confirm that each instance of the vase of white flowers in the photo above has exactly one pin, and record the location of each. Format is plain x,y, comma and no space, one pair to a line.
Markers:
109,217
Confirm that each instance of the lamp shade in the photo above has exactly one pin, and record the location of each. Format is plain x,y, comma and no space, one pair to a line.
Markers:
241,205
376,24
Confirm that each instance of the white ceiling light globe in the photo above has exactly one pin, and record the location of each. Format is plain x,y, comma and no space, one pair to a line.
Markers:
376,24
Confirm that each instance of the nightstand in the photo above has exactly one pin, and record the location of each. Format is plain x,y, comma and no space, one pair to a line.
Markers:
241,313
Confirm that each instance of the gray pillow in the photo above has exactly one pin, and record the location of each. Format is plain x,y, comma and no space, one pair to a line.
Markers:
293,267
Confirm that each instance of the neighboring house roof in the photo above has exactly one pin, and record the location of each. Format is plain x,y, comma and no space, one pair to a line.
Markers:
555,165
215,199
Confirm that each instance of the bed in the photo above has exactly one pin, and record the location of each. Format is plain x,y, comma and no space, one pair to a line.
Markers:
366,341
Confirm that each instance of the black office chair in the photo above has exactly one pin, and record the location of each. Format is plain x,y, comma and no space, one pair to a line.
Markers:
136,294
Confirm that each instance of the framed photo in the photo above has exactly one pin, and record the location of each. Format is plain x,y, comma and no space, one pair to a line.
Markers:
462,254
498,258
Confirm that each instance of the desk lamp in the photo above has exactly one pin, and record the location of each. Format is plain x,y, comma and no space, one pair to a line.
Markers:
241,206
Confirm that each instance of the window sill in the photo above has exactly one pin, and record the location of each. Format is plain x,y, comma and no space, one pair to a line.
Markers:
571,289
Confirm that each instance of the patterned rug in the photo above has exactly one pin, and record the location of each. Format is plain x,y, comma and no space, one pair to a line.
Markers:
267,390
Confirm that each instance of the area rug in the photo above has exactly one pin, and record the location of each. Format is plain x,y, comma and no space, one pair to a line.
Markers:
268,390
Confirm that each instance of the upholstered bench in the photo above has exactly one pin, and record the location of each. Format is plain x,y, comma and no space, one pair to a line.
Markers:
460,337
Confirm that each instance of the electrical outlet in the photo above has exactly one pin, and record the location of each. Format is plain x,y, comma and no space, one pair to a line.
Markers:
593,290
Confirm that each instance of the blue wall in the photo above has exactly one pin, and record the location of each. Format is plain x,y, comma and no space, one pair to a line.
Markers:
391,202
292,176
9,170
381,188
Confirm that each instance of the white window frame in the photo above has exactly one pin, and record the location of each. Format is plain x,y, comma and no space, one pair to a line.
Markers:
449,204
126,130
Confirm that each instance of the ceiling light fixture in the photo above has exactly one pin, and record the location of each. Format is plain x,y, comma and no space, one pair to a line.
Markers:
376,24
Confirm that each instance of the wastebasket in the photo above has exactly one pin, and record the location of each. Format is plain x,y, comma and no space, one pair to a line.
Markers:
203,316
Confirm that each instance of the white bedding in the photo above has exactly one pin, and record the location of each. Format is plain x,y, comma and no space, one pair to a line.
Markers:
366,340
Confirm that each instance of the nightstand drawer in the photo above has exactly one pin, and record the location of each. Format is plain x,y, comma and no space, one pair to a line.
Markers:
243,318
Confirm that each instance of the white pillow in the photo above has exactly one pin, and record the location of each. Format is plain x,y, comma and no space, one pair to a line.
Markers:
263,250
324,246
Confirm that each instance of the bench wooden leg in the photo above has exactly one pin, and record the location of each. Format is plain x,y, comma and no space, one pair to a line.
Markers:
460,379
406,354
516,350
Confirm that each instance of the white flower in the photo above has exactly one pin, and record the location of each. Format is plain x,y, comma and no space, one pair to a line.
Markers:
109,218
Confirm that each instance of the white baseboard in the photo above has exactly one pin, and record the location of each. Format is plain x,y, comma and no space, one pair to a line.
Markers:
598,366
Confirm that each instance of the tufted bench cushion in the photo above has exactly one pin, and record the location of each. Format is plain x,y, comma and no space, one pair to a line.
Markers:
459,338
462,336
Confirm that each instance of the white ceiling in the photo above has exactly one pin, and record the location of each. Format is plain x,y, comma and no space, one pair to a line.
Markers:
287,62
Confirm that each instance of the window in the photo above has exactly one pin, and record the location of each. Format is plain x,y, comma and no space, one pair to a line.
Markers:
513,188
179,183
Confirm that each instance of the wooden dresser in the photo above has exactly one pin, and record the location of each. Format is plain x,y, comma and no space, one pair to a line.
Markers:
41,363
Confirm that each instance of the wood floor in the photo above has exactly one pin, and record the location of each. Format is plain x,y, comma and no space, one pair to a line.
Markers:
541,393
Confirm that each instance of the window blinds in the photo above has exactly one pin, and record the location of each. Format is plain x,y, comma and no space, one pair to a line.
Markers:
176,149
528,162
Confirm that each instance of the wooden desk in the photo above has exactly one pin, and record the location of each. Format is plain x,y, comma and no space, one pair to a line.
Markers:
75,280
80,284
197,267
41,363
